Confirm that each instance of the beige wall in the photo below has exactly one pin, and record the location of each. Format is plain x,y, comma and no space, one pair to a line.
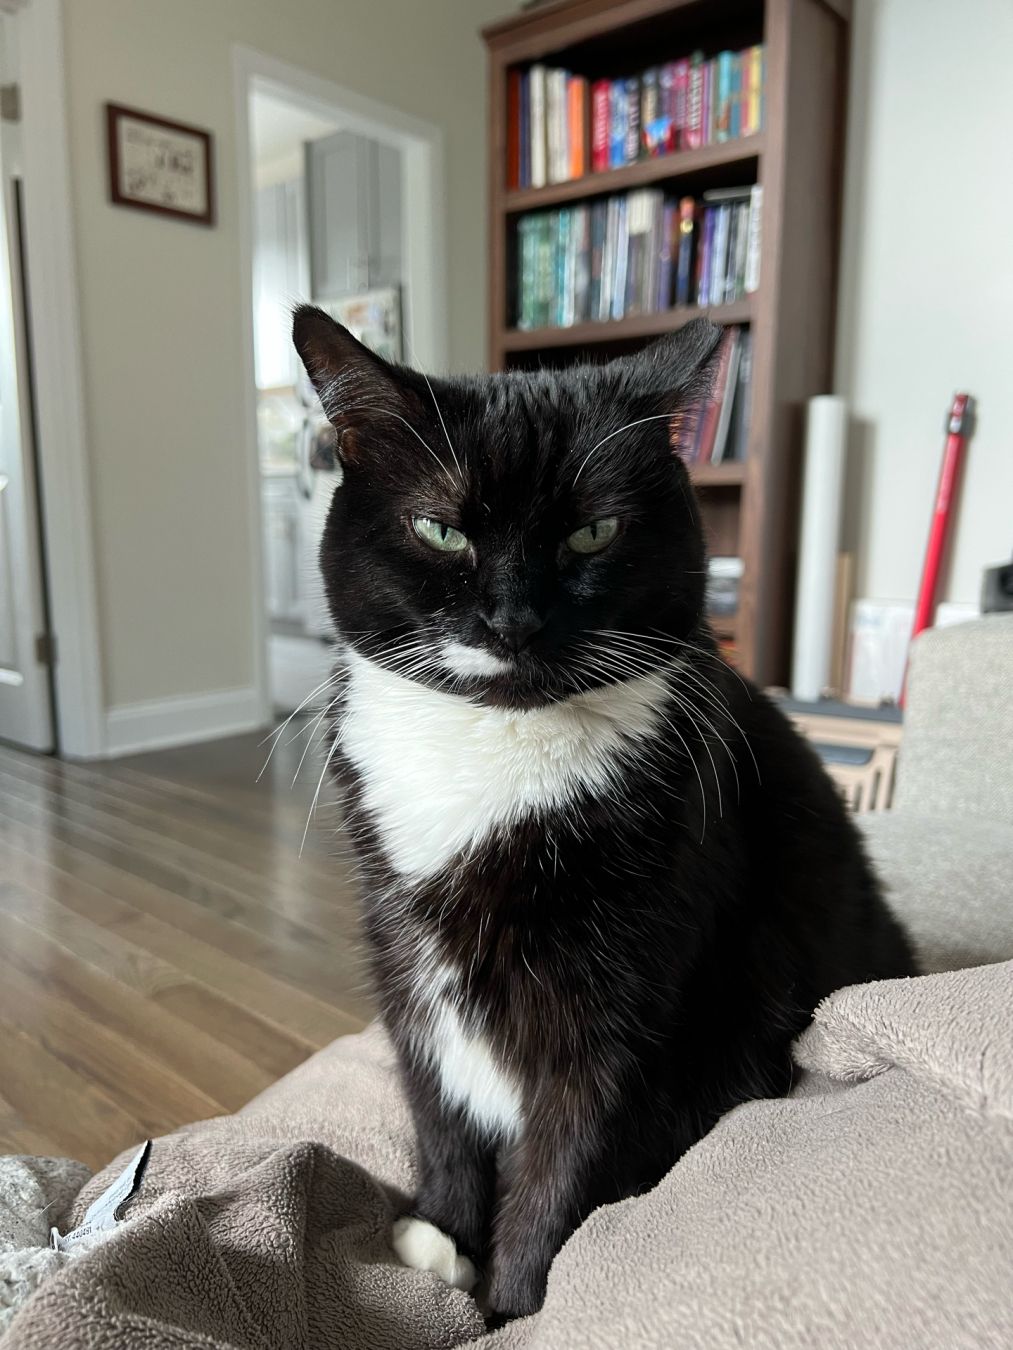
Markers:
927,282
162,301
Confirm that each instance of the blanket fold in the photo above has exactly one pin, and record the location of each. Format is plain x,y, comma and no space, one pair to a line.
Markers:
871,1208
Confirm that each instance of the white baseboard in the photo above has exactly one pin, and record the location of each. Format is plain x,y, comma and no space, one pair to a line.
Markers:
181,720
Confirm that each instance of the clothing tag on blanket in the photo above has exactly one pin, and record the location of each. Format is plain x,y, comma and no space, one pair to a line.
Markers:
100,1216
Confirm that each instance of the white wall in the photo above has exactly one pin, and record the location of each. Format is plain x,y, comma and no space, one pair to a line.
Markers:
162,304
927,282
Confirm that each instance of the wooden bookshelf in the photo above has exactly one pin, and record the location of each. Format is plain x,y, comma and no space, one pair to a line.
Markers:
749,508
665,169
621,330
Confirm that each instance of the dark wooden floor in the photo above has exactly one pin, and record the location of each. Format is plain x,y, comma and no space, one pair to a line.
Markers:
165,953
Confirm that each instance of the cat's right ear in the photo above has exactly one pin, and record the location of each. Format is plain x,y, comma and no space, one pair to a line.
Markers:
356,387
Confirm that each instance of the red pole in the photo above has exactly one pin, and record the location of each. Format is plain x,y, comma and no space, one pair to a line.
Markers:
958,428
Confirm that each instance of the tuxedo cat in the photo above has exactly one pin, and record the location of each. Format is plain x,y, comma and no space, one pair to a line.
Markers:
605,883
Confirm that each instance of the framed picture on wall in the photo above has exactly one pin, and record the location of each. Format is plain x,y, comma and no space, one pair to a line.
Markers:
158,165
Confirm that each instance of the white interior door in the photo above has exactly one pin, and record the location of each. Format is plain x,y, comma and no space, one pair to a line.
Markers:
25,696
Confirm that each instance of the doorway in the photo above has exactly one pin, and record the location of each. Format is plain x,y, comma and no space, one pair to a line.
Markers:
345,209
26,695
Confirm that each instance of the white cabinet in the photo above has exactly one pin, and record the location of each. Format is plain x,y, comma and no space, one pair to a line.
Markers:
353,189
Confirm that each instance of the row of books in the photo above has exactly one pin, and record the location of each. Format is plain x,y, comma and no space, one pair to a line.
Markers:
717,431
561,126
638,252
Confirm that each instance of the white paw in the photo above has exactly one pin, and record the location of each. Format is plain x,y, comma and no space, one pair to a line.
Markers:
423,1247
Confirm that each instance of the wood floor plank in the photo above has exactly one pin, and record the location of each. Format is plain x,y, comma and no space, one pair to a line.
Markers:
329,966
17,1136
220,834
273,1048
293,1011
167,949
224,1075
73,1112
150,1093
166,860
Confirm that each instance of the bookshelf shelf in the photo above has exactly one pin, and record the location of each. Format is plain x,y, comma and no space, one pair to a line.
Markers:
621,330
684,164
718,475
749,506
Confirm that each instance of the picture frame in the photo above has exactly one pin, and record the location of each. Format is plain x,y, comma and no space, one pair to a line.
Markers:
159,165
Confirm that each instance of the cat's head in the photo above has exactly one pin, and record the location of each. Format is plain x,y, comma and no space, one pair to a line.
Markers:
515,538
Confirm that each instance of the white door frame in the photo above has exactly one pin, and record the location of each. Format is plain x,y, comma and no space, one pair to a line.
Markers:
423,207
58,375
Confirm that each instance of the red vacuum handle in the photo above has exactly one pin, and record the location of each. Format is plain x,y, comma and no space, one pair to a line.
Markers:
957,431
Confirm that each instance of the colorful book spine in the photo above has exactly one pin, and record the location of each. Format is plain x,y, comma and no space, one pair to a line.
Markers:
703,286
582,264
599,125
576,125
752,270
694,107
631,129
527,228
558,154
545,280
746,95
741,246
622,258
719,254
617,124
735,107
687,249
680,108
666,104
525,130
723,97
539,142
728,387
650,104
598,213
758,61
669,241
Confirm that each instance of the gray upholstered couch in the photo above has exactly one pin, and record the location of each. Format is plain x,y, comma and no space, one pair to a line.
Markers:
945,849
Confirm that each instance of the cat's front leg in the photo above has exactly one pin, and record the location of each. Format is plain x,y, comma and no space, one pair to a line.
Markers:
455,1192
547,1190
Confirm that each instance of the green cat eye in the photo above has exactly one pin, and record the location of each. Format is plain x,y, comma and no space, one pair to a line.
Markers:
444,538
594,537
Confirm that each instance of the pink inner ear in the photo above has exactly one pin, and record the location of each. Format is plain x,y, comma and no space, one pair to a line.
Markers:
677,425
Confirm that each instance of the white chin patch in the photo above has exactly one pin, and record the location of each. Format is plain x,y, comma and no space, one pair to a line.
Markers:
422,1246
462,660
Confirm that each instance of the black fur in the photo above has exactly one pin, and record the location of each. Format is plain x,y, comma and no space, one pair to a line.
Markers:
643,961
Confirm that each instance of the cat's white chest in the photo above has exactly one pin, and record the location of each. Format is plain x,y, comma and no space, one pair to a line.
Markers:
441,774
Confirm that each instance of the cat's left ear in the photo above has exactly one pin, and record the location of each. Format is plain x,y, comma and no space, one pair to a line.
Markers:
676,373
356,387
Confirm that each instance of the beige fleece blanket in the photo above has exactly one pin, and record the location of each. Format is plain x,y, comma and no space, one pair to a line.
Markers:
872,1208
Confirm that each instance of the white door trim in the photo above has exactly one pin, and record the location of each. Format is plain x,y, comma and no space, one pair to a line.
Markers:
59,383
424,256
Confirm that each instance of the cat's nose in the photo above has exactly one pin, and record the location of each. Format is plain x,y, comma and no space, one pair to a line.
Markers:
514,628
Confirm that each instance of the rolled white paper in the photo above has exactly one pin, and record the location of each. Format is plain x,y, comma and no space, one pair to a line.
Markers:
823,485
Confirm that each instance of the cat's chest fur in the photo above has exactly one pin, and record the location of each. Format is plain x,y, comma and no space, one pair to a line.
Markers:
439,774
